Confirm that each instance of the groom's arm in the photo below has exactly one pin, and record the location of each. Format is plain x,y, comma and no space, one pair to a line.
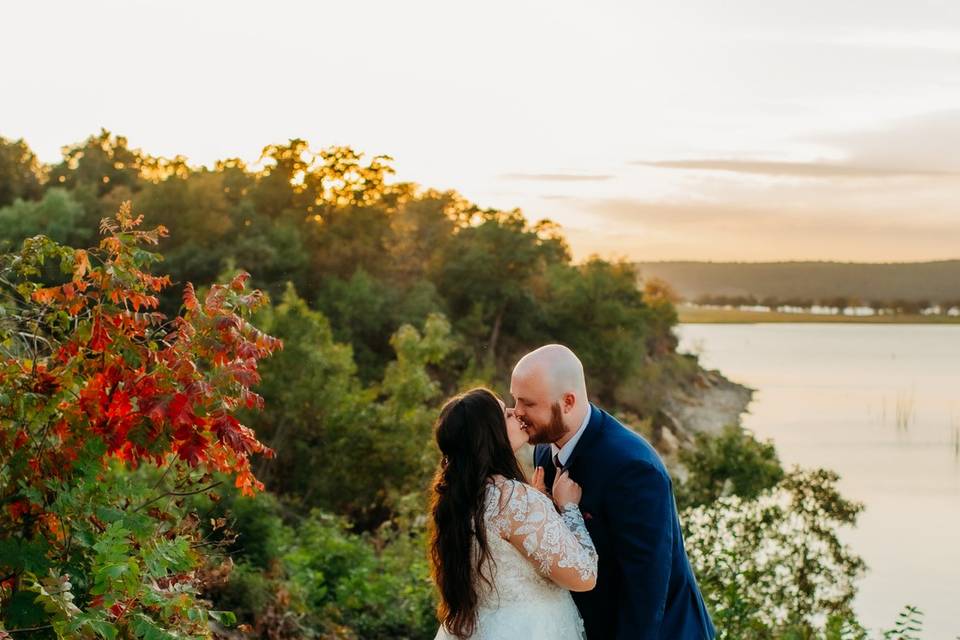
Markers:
638,506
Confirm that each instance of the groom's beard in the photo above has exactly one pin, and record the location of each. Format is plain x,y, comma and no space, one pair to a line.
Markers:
550,432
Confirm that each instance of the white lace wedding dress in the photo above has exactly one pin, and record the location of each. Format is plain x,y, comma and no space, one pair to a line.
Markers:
529,541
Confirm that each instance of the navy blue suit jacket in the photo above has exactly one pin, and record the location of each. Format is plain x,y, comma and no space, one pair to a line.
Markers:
645,586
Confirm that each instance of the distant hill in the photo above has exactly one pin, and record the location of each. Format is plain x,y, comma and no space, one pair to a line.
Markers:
913,281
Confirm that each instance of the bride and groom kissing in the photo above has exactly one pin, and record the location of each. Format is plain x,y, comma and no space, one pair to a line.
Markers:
590,547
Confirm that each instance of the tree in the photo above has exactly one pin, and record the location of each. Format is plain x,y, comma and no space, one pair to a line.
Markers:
661,317
325,418
21,174
597,310
58,216
490,275
102,161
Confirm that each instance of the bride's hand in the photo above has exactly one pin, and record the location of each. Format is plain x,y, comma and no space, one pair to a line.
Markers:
565,490
537,482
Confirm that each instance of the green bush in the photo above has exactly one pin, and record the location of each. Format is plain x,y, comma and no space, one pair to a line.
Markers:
774,567
731,463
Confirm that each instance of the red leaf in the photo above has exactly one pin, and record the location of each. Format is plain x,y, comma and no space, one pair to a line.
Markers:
99,339
180,411
235,435
238,282
194,448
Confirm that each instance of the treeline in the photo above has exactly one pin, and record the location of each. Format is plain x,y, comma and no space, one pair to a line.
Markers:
371,255
929,283
840,303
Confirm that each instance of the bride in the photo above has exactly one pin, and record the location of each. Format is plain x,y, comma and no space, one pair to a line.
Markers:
504,557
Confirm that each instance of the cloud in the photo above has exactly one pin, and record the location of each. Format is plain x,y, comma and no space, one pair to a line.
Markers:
923,143
557,177
711,216
723,230
793,169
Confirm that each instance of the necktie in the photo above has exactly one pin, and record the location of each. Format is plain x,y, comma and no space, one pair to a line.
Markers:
557,464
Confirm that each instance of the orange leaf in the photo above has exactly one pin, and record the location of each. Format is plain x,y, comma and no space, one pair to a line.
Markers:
81,263
46,295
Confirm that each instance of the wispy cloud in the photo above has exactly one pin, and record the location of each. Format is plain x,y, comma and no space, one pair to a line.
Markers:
922,145
719,230
792,169
557,177
925,142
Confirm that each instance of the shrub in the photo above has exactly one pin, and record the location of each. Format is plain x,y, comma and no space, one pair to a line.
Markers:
94,386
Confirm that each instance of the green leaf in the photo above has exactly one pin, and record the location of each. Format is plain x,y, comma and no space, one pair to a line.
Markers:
227,618
22,611
115,570
103,628
24,555
109,514
144,627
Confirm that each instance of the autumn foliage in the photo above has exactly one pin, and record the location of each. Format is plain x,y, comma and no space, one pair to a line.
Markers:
99,390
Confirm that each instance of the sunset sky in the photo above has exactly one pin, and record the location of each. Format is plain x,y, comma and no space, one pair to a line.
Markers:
704,130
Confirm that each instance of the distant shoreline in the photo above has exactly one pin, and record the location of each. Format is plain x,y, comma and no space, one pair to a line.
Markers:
693,315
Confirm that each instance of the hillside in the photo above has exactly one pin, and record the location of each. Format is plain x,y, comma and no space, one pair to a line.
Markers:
929,281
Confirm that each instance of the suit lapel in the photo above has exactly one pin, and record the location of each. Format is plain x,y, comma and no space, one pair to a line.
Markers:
590,434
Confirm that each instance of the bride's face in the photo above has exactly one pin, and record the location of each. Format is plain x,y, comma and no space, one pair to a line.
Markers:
515,432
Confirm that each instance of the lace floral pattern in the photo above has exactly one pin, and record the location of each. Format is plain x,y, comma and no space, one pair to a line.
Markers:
555,542
531,545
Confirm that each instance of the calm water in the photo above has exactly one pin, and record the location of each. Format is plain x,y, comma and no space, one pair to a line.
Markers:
879,404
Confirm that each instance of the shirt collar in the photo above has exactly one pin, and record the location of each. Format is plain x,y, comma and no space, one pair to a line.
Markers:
564,453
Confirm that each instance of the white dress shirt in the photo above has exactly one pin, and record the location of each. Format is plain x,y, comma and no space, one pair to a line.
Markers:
567,449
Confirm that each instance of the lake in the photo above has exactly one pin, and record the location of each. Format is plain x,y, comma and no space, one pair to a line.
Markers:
879,404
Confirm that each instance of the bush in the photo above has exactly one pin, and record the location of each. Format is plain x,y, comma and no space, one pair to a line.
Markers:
97,394
774,567
732,463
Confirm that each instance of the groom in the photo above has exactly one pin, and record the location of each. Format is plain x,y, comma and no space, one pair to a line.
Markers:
645,586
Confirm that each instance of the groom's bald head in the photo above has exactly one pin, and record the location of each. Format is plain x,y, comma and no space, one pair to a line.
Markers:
550,391
559,368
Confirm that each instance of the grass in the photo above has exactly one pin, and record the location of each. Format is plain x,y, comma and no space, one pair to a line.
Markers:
694,315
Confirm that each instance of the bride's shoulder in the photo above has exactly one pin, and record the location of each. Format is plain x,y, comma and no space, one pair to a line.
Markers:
509,494
503,484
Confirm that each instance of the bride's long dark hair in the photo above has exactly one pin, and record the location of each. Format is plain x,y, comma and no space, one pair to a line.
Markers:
471,432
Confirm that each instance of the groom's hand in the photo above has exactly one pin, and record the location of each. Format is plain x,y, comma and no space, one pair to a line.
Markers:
538,481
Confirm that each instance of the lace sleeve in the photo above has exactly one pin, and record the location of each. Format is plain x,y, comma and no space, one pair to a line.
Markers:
558,545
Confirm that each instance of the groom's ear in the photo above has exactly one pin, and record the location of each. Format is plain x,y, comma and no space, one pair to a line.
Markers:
568,401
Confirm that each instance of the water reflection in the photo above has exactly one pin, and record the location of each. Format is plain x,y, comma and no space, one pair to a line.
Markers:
877,404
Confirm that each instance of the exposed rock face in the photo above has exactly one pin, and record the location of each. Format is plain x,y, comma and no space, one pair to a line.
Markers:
712,404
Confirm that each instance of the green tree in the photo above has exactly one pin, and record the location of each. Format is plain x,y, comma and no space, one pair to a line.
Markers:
58,216
21,174
491,274
597,310
373,438
103,161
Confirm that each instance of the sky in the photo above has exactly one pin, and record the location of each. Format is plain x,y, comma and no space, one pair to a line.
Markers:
747,130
